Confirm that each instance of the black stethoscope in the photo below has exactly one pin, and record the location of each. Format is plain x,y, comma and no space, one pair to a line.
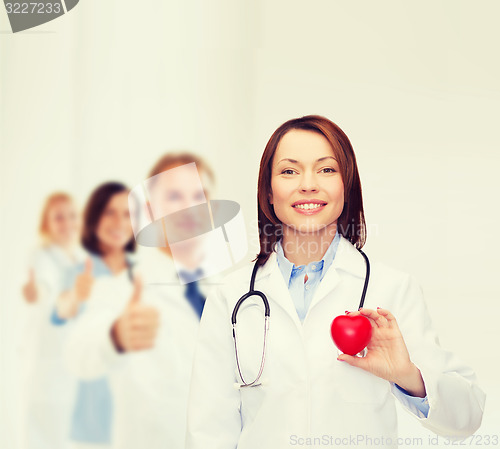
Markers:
252,292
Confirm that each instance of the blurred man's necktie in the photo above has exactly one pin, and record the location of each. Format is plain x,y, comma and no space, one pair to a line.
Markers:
192,292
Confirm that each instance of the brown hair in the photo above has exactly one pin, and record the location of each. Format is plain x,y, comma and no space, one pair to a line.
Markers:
351,223
53,198
92,214
172,160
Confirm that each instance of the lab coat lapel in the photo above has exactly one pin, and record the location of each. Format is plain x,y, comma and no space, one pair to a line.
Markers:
347,259
273,285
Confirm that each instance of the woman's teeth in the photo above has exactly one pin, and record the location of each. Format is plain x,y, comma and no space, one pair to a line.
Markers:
308,206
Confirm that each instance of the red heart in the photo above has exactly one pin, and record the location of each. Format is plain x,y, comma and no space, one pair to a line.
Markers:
351,334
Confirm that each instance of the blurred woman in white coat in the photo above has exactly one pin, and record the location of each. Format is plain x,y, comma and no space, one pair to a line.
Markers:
48,390
107,237
311,221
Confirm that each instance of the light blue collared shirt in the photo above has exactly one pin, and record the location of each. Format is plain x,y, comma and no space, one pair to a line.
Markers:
302,294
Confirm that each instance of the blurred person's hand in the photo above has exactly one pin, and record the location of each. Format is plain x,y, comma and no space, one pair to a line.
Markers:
84,282
136,328
30,290
67,305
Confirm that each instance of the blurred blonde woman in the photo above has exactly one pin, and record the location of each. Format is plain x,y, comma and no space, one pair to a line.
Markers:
48,391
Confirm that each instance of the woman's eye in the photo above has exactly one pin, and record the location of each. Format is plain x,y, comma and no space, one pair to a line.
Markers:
287,171
328,170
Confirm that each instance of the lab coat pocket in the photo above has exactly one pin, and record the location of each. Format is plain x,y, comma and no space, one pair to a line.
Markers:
250,335
251,401
358,386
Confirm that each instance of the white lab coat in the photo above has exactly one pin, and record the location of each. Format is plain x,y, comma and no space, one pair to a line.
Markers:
150,388
48,390
306,392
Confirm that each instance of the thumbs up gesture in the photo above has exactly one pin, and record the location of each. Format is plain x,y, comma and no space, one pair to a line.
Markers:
30,291
136,328
84,282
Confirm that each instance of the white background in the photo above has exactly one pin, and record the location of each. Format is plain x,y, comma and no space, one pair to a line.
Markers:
103,91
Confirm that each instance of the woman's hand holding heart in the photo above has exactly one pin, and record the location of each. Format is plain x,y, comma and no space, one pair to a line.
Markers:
387,355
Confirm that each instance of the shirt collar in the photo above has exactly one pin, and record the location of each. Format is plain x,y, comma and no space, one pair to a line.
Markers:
286,267
99,267
189,276
284,264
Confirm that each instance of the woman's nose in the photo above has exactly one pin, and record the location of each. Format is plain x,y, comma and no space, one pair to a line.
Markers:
123,220
308,184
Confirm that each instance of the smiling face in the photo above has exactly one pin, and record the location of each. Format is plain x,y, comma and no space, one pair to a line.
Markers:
306,184
114,229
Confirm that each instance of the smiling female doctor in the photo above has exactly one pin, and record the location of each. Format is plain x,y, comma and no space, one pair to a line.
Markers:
311,221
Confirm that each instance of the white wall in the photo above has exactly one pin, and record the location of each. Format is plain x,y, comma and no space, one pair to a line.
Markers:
103,91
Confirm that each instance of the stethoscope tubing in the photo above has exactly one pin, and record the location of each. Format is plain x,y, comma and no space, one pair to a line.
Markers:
267,315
